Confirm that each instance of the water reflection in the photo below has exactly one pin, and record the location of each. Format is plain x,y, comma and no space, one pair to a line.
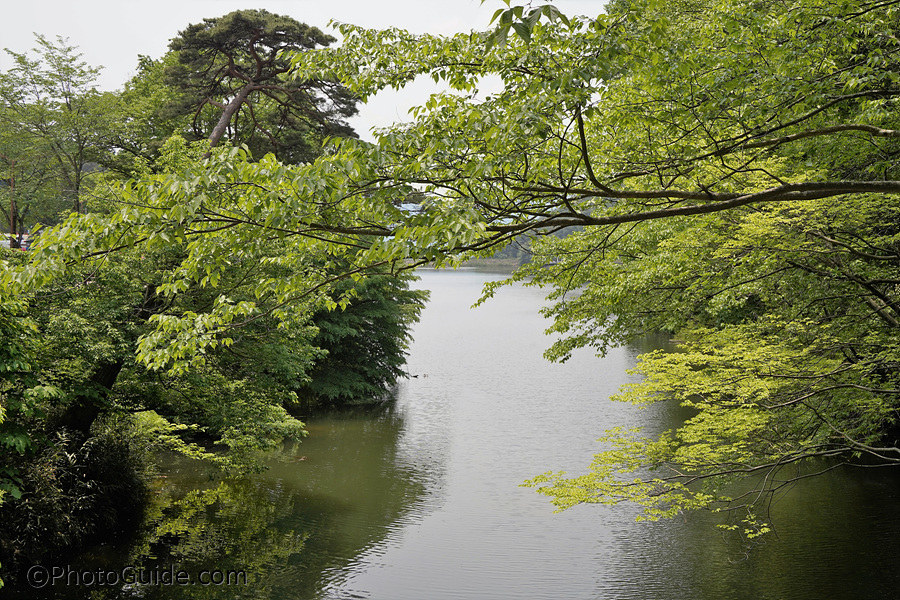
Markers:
288,533
421,498
354,485
508,415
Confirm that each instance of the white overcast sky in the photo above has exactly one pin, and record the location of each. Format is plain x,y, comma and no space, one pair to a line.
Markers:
112,33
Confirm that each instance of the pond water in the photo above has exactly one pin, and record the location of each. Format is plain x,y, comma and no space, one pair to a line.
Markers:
421,499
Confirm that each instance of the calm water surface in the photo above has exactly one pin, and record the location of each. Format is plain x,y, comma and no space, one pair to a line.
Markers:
421,500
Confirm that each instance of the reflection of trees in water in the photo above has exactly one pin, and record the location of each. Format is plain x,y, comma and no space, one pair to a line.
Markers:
354,488
293,529
234,528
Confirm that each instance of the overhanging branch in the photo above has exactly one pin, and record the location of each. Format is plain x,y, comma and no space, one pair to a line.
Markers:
783,193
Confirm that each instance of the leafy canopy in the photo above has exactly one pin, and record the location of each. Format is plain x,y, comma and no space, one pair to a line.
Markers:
54,124
731,165
232,77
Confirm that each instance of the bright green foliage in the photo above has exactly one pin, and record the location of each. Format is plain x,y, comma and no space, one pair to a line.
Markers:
522,23
789,353
21,393
788,311
234,394
733,168
731,165
177,314
34,196
146,127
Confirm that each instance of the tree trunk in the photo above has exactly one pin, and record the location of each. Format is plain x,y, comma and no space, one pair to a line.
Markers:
80,415
227,114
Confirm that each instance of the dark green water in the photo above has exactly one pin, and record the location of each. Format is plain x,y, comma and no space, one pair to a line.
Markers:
420,500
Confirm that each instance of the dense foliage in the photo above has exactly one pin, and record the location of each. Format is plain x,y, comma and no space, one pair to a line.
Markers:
235,66
732,167
54,126
86,395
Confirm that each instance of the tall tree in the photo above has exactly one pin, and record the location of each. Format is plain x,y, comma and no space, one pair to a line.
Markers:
33,190
234,79
83,399
51,101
